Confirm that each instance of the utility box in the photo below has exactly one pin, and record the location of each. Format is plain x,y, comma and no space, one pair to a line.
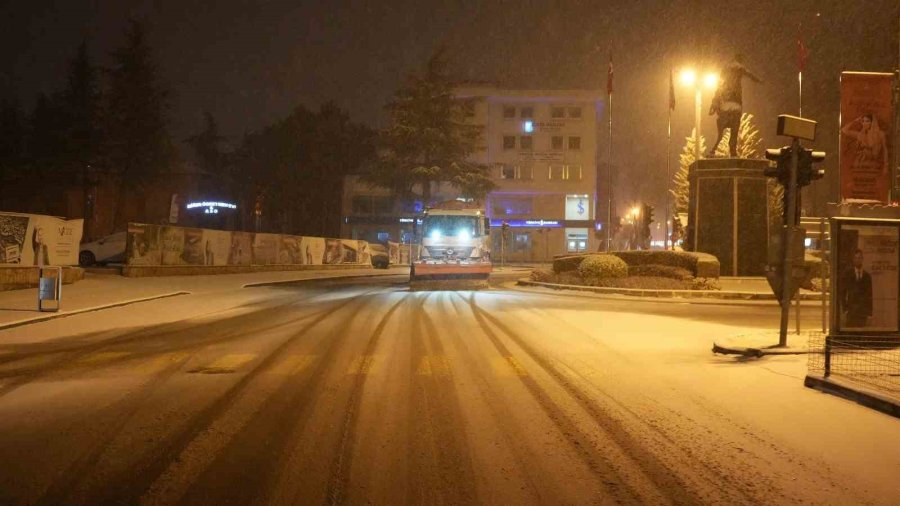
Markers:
50,281
728,213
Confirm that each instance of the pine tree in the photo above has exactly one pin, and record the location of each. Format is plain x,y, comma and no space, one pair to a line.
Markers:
429,138
680,183
748,140
138,146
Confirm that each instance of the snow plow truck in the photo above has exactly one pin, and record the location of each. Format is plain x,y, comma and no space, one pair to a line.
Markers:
455,244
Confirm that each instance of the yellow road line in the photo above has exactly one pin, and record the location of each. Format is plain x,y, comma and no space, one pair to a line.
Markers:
103,356
161,362
365,364
508,366
433,365
293,364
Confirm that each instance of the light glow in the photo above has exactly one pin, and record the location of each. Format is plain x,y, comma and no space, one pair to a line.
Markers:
688,77
435,234
711,80
528,126
463,234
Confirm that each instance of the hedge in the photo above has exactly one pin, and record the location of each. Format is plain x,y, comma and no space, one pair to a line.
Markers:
602,265
661,271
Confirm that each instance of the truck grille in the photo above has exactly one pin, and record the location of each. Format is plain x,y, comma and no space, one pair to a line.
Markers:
449,252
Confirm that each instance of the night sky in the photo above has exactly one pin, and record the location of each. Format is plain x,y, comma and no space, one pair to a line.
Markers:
249,62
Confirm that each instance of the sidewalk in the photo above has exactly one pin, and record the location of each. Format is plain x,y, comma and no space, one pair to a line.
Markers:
732,289
101,290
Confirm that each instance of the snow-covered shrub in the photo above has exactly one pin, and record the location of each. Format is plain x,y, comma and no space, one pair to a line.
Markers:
543,276
661,271
602,265
567,263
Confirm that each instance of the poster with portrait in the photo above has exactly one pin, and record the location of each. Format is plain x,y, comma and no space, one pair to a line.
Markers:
334,252
313,250
289,251
143,246
216,247
265,248
363,253
241,251
866,276
171,245
866,132
32,239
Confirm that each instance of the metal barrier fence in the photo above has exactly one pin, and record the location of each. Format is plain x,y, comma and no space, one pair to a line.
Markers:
872,362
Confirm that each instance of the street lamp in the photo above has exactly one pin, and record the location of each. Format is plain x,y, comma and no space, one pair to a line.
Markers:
710,80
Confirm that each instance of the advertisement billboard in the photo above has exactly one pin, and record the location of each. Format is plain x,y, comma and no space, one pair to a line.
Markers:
867,281
867,121
33,239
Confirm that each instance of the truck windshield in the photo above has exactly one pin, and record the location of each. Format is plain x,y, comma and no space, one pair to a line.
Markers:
438,226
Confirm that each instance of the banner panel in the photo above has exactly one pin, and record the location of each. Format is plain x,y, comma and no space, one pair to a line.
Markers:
265,249
313,250
868,281
290,252
866,131
241,248
143,246
216,247
31,239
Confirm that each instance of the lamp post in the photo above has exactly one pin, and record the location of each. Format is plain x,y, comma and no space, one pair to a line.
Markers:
710,80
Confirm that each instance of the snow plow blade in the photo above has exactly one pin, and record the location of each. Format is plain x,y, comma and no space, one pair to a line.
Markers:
449,276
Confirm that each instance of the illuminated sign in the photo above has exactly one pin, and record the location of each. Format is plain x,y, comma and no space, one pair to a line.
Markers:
528,223
211,207
528,126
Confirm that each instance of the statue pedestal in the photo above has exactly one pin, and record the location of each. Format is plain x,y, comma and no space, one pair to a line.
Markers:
728,213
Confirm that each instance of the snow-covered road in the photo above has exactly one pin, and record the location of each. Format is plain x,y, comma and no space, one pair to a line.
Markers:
361,391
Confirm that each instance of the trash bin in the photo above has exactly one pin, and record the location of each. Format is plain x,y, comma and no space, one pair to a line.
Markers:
49,288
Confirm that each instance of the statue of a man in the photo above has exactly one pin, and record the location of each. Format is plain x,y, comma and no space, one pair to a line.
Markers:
728,104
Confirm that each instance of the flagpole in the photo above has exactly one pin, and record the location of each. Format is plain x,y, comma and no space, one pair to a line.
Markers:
668,169
609,188
800,81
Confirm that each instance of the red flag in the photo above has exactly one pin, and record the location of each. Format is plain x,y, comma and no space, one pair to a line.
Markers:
802,53
671,90
609,78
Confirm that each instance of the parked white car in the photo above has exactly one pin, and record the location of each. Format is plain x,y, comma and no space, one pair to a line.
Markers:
109,249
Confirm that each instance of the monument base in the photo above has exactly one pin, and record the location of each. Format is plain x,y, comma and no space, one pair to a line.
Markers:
728,213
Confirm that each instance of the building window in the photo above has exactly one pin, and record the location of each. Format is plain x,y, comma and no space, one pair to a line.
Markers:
516,172
576,240
509,112
382,205
383,237
509,142
521,242
526,112
557,172
575,143
525,142
575,112
361,204
511,205
557,112
556,142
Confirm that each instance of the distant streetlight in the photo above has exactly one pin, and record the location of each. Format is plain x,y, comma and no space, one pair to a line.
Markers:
710,80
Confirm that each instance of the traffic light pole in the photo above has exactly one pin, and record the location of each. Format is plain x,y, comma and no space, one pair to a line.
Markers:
790,223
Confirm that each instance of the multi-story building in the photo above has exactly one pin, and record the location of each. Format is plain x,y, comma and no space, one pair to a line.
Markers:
541,147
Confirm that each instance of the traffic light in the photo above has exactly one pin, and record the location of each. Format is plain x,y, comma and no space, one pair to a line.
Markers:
782,168
647,214
806,173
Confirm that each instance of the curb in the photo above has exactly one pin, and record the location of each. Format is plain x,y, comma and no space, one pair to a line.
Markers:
667,294
301,280
859,395
757,352
39,319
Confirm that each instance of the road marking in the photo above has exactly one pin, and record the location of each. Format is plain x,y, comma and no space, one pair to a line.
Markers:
161,362
293,364
103,356
508,366
226,364
365,364
433,365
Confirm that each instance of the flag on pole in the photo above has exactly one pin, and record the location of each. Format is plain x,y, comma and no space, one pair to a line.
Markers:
671,90
802,52
609,77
